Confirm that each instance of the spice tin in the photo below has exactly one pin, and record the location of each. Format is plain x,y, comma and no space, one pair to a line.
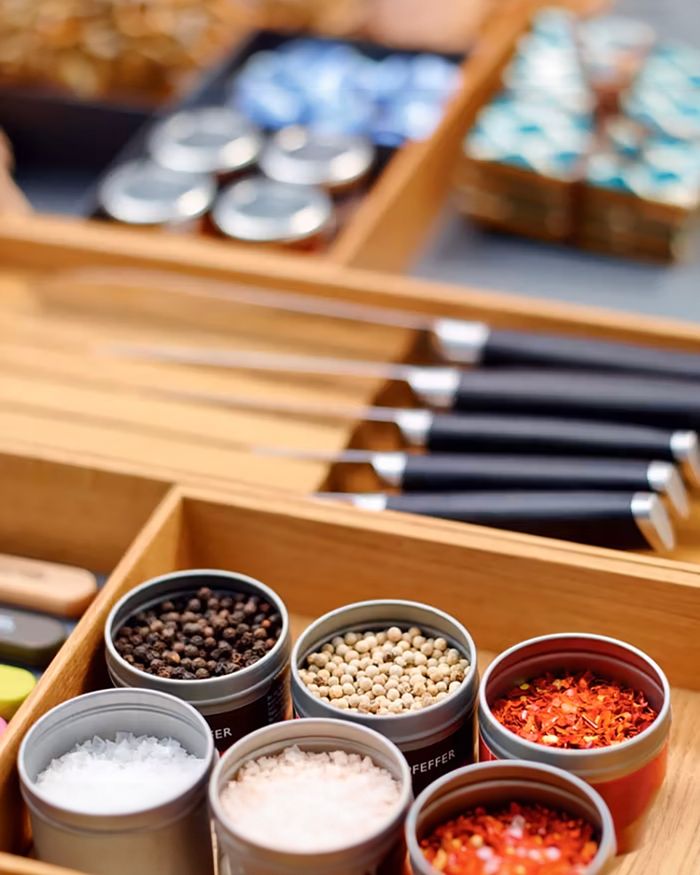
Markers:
435,740
627,775
260,210
171,838
209,139
235,704
500,783
335,161
140,192
382,853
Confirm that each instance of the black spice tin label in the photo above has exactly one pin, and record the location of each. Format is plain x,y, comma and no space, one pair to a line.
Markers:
229,727
438,758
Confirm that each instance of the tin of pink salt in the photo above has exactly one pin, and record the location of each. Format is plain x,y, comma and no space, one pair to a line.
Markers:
338,834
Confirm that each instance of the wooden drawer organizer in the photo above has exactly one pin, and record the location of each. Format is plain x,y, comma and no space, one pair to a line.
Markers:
319,557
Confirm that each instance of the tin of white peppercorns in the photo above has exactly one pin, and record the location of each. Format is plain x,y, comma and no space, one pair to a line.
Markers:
232,704
496,784
627,775
171,837
381,853
436,739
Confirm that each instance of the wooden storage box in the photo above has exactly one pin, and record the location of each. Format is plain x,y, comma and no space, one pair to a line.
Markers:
319,557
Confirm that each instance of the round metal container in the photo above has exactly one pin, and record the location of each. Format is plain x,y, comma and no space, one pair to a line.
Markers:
435,740
382,853
234,704
209,139
171,838
260,210
495,784
141,192
334,161
627,775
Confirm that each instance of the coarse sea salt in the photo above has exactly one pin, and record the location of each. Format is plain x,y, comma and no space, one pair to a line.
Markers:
307,802
104,776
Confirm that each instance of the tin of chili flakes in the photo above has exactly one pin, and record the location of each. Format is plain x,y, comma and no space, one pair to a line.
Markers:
475,802
629,770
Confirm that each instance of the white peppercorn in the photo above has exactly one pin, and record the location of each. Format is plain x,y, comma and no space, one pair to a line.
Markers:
384,672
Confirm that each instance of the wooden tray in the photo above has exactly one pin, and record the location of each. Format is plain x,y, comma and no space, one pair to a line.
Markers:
317,558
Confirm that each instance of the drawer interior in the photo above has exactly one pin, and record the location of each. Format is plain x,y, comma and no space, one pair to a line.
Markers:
318,558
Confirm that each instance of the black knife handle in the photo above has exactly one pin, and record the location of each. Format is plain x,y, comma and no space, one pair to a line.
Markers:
560,351
604,519
455,433
454,473
580,394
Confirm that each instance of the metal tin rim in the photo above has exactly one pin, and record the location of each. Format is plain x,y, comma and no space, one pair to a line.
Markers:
597,763
530,773
401,728
240,146
195,199
317,731
244,681
171,807
313,217
351,163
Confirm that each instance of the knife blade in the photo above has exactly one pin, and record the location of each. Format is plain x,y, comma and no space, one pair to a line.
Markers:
488,433
582,394
464,473
621,520
466,342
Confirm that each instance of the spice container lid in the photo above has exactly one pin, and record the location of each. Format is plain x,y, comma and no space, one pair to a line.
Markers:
141,192
260,210
205,140
303,156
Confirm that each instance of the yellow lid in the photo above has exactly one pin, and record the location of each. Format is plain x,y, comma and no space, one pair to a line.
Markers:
15,685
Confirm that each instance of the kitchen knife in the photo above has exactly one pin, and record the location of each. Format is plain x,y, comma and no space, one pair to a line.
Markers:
461,341
463,473
488,433
621,520
581,394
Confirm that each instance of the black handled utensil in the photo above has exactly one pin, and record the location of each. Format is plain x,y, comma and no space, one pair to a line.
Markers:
489,433
462,473
621,520
580,394
466,342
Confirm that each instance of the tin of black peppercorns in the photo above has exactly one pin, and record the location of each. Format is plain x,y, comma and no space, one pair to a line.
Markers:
216,639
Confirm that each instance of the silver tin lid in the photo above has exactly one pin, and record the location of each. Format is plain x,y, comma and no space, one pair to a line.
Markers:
261,210
302,156
141,192
205,140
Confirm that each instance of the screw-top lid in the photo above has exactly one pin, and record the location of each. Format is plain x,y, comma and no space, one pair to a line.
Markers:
205,140
141,192
263,211
306,157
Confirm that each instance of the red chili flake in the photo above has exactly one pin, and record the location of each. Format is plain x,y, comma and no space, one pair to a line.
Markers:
518,839
575,711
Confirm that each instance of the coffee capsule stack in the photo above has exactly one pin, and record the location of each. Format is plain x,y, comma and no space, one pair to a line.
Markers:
594,139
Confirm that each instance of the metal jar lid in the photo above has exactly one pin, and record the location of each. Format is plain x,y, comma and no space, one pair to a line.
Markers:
303,156
205,140
260,210
141,192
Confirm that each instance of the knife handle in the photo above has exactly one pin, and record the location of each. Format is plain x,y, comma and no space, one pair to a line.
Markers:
586,395
440,472
560,351
606,519
532,435
45,586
